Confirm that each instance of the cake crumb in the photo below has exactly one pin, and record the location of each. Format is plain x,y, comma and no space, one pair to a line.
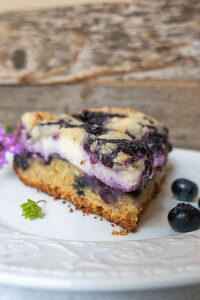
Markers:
83,215
95,217
112,225
69,205
63,201
101,218
82,162
71,210
121,232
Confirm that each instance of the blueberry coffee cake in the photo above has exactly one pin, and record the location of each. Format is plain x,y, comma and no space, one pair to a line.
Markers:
107,161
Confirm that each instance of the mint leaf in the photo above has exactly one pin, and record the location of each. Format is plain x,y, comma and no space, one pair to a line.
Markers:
31,209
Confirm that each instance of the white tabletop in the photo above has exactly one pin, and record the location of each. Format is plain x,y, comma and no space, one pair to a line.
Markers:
17,293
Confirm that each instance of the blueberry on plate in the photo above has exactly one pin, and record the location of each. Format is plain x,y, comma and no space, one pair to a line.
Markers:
198,203
184,189
184,218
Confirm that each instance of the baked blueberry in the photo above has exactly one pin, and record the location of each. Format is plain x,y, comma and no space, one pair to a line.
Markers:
80,184
97,118
184,189
21,162
184,218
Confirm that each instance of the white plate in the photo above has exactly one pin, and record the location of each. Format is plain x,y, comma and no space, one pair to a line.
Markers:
74,252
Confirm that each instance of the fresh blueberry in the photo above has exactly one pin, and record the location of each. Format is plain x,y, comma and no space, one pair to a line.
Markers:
184,189
184,218
198,203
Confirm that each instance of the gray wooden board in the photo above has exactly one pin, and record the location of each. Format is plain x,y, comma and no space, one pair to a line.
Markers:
139,40
177,107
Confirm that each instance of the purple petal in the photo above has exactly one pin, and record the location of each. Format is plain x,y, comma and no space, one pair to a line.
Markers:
15,148
8,140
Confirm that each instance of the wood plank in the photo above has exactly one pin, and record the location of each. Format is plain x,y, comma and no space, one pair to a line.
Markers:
102,43
10,5
177,107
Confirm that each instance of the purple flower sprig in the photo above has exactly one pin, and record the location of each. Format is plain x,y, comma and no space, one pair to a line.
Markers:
7,144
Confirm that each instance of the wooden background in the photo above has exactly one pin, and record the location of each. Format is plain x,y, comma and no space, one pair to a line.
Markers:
142,54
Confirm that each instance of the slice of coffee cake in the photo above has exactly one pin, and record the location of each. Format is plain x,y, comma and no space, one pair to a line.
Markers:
106,161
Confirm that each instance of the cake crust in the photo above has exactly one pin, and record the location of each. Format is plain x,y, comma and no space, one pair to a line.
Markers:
123,215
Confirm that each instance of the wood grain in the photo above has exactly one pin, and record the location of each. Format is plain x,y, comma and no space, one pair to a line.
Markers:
103,43
177,107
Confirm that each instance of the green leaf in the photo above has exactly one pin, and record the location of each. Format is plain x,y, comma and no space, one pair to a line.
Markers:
31,210
6,127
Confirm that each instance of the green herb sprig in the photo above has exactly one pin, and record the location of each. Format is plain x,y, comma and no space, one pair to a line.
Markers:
6,127
31,209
